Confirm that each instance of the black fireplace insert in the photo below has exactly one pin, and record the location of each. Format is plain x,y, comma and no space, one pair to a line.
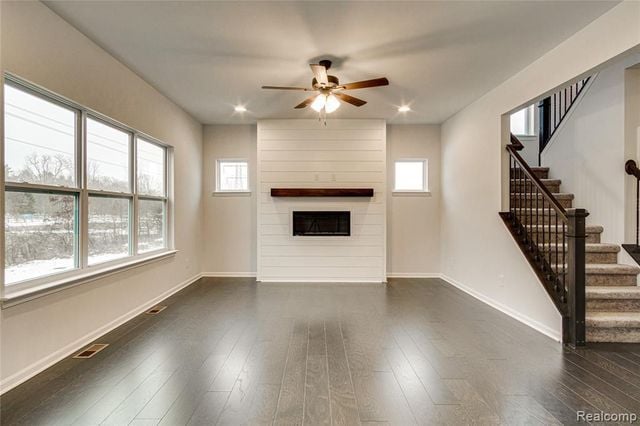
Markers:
322,223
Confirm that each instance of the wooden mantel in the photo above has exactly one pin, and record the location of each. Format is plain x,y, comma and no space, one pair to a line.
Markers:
322,192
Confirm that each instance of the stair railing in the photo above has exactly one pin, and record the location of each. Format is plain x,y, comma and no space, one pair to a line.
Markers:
552,239
553,109
634,249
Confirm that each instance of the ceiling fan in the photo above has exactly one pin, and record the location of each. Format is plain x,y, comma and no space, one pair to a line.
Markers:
330,91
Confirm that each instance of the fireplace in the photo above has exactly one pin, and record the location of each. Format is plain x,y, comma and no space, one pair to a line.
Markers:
322,223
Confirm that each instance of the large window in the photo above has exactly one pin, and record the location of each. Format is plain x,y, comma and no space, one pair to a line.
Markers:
82,192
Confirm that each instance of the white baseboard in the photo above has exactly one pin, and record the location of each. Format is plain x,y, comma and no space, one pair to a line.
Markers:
41,365
321,280
536,325
229,274
414,275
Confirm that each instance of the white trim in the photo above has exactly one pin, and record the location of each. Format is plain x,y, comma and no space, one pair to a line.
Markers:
41,365
21,295
307,280
231,193
569,113
536,325
414,275
411,193
228,274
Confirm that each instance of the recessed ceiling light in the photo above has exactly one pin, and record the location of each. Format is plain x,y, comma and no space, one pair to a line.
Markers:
404,108
240,108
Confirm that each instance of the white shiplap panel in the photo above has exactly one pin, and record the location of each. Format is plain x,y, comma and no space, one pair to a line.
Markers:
322,261
351,241
321,251
320,155
329,145
321,135
266,198
283,207
299,153
354,177
321,166
285,229
314,124
378,188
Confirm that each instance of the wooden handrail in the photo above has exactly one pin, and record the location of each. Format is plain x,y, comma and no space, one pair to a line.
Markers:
632,168
513,149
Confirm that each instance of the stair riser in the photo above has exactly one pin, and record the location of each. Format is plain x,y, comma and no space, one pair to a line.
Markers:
528,187
615,305
530,202
542,174
557,238
541,218
624,335
591,257
611,280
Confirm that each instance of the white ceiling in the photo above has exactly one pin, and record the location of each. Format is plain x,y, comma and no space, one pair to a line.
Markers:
438,56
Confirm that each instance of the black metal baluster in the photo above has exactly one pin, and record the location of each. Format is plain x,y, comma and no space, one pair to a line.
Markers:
556,257
564,266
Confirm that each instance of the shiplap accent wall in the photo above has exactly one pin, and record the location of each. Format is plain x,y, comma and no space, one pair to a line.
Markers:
308,154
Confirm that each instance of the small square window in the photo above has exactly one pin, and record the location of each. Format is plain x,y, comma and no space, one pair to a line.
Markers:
523,122
410,176
232,176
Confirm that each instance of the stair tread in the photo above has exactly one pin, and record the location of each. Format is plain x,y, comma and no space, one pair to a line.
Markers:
602,268
589,247
613,319
557,195
589,229
612,292
545,180
611,269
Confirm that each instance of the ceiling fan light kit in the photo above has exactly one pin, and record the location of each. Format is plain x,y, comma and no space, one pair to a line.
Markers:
330,90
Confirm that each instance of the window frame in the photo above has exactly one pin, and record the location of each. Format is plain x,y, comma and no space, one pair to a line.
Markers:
83,271
425,176
530,121
218,189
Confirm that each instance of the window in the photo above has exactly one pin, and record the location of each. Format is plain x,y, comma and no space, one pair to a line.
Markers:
523,122
71,199
232,176
411,176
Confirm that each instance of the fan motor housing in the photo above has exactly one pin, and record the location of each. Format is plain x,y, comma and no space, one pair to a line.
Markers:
333,82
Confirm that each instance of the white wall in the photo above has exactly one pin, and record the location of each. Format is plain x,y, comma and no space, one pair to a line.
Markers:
39,46
229,220
588,151
413,221
307,153
478,253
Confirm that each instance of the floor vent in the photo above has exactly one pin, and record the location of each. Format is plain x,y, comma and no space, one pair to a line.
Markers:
156,310
92,350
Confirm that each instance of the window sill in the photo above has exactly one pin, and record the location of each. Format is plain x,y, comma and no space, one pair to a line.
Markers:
231,193
16,297
411,194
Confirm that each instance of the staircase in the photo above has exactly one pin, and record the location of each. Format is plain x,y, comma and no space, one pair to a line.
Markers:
611,290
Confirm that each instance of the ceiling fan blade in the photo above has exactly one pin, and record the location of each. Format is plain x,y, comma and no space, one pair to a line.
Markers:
320,72
287,88
305,103
350,99
364,84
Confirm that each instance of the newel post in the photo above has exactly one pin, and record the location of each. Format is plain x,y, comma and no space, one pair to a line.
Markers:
574,327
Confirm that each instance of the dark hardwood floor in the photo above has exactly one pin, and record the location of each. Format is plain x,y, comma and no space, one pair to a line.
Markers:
417,351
